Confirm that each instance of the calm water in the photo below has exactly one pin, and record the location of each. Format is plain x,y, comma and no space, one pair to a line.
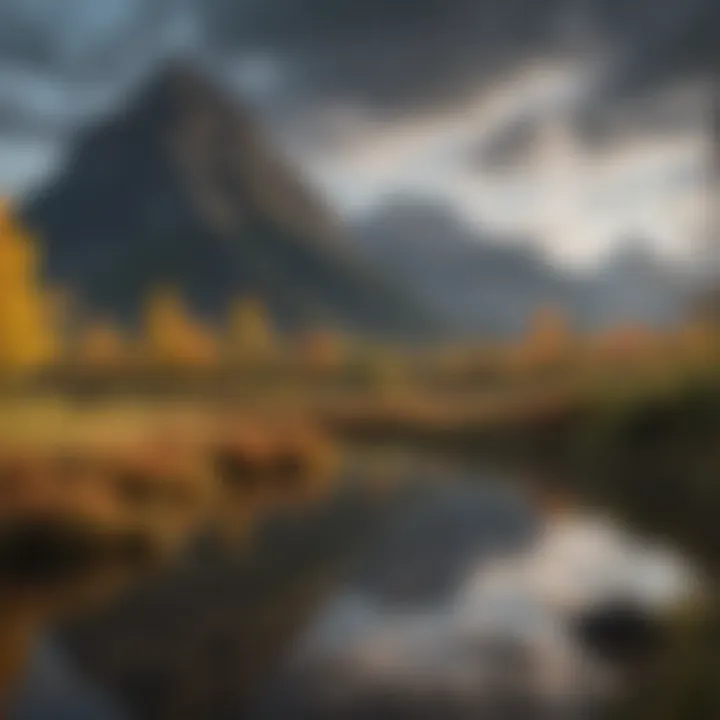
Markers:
416,588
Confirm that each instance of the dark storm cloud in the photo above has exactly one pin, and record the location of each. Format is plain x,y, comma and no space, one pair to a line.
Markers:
400,52
64,61
385,53
79,39
394,54
659,41
61,61
389,53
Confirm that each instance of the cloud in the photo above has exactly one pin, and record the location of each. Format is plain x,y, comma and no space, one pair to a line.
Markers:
375,97
402,54
407,54
573,198
396,56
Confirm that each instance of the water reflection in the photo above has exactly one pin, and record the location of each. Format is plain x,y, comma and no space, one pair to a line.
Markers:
468,598
477,605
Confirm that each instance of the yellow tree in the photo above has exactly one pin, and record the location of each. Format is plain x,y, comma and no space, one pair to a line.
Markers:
250,330
172,336
323,350
102,345
27,337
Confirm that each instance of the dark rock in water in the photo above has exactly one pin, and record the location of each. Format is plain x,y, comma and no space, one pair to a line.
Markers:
620,632
182,188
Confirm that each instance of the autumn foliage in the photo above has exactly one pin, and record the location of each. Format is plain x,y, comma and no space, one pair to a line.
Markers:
40,326
172,336
103,345
250,331
27,339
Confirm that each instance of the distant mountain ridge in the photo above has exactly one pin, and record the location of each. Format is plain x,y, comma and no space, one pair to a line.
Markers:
490,287
182,188
485,288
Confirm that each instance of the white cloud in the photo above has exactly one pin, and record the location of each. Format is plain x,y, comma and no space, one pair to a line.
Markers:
575,202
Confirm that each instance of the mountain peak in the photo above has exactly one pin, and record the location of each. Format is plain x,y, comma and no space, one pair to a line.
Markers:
183,188
180,84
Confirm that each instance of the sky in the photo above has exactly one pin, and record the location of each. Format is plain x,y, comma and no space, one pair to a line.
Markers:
573,124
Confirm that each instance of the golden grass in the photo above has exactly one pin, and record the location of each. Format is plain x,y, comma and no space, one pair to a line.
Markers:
82,479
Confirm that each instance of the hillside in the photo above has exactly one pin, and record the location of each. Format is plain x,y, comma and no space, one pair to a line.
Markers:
182,188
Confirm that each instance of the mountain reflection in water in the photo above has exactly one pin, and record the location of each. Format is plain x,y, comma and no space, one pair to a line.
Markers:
461,604
470,607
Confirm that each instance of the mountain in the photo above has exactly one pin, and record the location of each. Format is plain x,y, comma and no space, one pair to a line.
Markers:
490,286
633,285
485,287
182,188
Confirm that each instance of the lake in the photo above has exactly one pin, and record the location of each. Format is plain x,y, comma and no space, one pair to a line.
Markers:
416,587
